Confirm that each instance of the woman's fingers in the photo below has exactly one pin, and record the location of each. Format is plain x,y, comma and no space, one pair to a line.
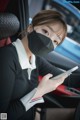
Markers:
46,85
48,76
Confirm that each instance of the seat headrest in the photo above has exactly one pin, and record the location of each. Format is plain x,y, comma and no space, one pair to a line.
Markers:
9,25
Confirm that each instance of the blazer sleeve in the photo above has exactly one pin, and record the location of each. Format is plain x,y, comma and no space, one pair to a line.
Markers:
14,109
45,67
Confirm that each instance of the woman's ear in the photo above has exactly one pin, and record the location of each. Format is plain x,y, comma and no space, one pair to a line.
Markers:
30,28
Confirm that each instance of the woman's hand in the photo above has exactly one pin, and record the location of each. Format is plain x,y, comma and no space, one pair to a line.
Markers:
46,85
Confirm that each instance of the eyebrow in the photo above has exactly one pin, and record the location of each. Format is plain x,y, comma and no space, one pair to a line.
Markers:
54,32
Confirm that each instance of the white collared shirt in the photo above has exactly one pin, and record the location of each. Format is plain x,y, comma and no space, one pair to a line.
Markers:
27,100
23,58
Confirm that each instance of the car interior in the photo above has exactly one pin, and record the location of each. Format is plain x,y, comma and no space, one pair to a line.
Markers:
14,17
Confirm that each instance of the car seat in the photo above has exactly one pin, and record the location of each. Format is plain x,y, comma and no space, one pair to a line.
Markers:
9,26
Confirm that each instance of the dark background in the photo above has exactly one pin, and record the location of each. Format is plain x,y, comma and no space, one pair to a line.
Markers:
76,5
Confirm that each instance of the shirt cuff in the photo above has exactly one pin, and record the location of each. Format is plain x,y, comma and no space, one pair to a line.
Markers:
28,102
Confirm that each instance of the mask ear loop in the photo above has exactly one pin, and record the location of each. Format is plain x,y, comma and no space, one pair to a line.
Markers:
30,31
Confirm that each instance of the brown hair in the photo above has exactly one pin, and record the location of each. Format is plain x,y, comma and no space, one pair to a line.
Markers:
49,16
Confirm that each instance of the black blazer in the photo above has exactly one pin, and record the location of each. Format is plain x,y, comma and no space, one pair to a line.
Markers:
14,82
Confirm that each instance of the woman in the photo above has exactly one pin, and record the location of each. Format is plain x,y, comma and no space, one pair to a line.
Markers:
21,63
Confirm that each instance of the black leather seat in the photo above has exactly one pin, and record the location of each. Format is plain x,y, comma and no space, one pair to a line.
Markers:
9,25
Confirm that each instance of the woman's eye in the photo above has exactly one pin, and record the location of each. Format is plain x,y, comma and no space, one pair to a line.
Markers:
45,31
56,42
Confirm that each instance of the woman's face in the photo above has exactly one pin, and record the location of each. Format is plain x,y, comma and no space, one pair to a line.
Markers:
53,31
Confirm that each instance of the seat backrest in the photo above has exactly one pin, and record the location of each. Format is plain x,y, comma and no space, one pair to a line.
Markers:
9,26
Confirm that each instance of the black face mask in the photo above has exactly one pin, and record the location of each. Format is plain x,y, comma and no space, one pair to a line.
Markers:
39,44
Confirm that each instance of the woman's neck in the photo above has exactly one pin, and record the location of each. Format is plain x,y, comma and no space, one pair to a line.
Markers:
25,44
